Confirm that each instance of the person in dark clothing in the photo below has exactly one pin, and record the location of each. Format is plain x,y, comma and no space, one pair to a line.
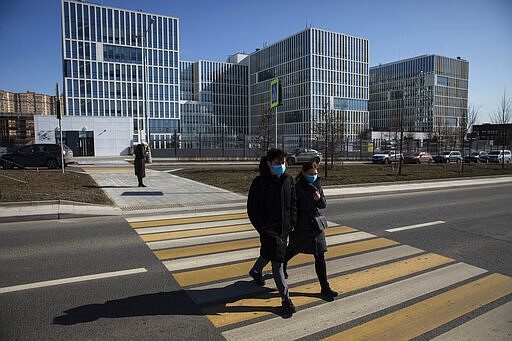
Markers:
306,238
140,163
271,206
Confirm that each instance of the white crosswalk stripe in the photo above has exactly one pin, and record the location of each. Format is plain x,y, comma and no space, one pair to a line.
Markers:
210,253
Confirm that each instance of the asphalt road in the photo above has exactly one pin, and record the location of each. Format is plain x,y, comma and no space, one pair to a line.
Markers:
477,226
147,305
477,230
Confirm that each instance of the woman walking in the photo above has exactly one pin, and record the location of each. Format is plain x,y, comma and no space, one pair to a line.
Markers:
306,237
140,163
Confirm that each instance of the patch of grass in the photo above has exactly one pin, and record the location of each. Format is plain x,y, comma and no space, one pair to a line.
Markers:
34,185
239,180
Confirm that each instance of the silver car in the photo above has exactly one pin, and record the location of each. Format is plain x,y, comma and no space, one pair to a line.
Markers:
301,155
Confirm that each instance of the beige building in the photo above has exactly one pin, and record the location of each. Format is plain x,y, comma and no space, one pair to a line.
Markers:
27,103
17,112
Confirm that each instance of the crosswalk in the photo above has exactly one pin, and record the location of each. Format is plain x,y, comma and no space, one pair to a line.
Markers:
388,291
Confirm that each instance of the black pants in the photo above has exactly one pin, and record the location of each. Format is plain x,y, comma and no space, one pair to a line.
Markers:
140,180
320,267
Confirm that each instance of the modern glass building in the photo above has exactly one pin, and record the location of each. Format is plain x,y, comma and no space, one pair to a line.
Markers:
318,69
214,104
114,59
428,94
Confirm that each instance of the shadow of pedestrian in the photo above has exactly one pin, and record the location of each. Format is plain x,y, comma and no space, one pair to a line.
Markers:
180,303
161,303
139,193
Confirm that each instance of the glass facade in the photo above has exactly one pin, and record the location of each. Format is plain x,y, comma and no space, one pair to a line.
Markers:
103,62
432,94
214,104
314,67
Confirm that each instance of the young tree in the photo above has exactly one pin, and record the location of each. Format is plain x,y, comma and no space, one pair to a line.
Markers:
468,119
263,138
503,115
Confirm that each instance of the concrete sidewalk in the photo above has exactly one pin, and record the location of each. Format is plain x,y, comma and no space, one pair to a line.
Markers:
164,191
52,209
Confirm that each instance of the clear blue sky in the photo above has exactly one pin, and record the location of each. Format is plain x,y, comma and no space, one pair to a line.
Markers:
477,30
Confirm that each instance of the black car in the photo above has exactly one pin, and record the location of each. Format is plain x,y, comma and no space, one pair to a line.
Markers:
476,157
34,155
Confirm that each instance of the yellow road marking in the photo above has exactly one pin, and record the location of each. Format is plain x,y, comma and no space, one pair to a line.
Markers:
207,248
224,246
424,316
246,309
177,221
195,233
239,269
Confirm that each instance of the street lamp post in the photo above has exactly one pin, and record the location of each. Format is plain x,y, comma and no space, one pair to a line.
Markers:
144,40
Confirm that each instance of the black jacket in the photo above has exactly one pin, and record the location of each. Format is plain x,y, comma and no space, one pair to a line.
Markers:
140,161
272,210
305,238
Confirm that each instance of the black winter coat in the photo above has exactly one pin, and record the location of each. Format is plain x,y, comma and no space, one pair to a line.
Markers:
140,161
272,210
305,238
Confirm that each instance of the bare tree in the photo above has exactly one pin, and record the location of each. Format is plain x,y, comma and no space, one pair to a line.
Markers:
328,131
468,119
503,115
263,139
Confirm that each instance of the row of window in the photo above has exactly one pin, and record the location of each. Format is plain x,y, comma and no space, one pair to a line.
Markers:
338,64
107,25
83,50
451,102
339,78
282,52
403,69
121,108
457,68
119,72
223,72
340,46
119,90
452,82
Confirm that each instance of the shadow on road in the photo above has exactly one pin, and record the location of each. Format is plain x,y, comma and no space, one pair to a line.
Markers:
161,303
177,303
133,194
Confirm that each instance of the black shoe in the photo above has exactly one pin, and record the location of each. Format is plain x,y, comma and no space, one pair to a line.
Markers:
288,307
257,276
142,185
328,293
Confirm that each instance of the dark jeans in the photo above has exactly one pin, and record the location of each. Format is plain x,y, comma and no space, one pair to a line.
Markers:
277,273
320,267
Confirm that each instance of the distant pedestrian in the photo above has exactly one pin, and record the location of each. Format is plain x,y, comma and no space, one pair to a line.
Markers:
140,163
306,237
271,206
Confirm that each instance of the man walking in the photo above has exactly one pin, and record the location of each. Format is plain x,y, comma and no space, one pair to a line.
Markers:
272,209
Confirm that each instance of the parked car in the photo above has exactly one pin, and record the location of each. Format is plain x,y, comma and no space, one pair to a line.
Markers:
498,155
418,157
476,157
301,155
386,156
446,157
37,155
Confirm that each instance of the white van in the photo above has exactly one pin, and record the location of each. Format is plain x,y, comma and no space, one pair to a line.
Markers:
498,155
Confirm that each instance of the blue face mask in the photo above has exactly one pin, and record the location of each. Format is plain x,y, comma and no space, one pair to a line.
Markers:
311,178
278,170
